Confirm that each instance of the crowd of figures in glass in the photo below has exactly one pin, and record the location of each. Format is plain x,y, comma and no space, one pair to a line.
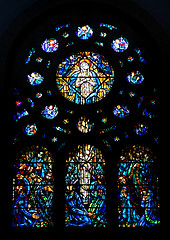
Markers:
138,188
85,188
33,188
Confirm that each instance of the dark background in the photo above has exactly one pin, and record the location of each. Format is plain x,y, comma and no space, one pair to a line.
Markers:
10,9
158,9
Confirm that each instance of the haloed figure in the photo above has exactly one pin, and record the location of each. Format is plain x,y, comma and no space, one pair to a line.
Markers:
85,79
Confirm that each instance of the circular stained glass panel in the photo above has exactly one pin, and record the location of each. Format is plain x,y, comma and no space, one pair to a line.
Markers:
50,112
85,77
120,44
35,78
84,32
50,45
30,129
84,125
135,77
121,111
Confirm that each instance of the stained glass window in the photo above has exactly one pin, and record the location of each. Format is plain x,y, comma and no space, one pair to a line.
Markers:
138,188
33,188
85,188
84,125
135,77
30,129
85,104
121,111
50,112
120,44
50,45
85,77
35,78
84,32
141,129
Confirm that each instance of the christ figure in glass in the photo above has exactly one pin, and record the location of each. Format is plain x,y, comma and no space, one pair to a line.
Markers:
85,79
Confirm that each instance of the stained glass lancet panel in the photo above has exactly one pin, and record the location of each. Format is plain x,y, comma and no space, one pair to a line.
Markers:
33,185
85,188
138,188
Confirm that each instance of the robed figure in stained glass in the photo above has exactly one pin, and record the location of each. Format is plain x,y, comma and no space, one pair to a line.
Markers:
138,188
33,188
85,80
85,77
85,188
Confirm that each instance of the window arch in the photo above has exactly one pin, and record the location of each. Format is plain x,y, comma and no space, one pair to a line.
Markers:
86,84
